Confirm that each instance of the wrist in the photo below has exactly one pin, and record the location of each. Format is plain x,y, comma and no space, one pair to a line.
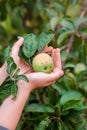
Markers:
24,86
23,90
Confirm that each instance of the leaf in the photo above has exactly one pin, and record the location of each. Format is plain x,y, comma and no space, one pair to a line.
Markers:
22,56
30,45
69,65
79,68
74,2
64,55
69,96
34,107
14,89
79,21
81,107
73,104
7,52
43,124
11,66
23,77
44,39
64,36
83,85
67,24
77,119
59,88
53,22
82,53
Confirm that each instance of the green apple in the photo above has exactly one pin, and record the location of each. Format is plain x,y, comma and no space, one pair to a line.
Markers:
42,63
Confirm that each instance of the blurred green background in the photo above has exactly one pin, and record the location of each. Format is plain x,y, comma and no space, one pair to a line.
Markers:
62,106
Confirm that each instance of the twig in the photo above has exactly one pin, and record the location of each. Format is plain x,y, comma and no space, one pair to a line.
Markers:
70,43
63,48
81,36
71,39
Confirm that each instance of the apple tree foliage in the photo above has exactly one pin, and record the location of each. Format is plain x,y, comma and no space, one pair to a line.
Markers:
63,105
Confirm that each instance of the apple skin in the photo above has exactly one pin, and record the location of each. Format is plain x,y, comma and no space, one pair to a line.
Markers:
42,63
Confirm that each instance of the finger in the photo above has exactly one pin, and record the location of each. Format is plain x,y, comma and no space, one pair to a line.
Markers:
15,49
57,58
53,55
48,49
54,75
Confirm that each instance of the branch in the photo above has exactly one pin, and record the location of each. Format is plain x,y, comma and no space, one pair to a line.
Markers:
71,39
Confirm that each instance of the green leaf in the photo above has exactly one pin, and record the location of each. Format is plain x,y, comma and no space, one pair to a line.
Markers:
64,35
80,67
77,119
59,7
83,85
30,45
54,22
11,66
44,39
79,21
67,24
7,52
70,96
81,107
74,2
69,65
14,89
34,107
59,88
43,124
82,53
73,104
22,56
23,77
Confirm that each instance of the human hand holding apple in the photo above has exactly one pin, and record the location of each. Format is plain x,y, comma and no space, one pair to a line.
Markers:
37,79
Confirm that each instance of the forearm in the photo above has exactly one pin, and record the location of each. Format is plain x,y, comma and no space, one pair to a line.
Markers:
11,110
3,73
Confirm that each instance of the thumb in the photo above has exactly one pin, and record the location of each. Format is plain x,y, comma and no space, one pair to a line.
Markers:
15,49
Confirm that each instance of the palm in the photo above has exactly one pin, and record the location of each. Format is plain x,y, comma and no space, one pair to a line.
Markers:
24,67
40,79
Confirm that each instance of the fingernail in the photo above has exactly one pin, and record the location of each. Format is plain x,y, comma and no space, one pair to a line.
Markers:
58,49
18,37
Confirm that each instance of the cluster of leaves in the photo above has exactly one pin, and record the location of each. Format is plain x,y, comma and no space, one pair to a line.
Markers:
33,44
10,84
62,106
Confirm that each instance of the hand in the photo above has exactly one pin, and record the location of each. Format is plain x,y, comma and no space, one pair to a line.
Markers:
24,67
37,79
